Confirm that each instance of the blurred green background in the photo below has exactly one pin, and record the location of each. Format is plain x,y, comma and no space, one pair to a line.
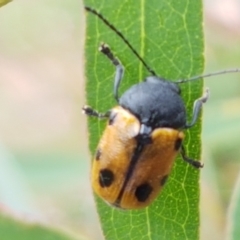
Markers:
44,160
44,163
221,116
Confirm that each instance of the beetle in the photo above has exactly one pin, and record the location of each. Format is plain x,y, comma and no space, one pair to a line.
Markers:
143,136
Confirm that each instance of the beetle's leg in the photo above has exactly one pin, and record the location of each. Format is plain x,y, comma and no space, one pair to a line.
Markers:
193,162
93,113
119,67
197,108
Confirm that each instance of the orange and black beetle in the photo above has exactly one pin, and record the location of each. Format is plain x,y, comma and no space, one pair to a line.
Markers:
143,136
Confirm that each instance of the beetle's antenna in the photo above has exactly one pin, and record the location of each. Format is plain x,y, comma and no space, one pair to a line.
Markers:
209,75
100,16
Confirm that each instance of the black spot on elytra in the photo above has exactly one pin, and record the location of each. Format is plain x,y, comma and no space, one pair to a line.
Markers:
143,191
106,177
98,154
178,144
163,180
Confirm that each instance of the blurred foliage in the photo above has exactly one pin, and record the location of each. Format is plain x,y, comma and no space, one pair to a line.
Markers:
4,2
221,118
44,162
233,220
11,228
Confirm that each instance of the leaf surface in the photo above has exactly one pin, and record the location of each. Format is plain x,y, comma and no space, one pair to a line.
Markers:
168,35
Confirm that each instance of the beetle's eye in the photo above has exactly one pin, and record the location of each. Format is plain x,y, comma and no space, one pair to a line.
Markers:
112,118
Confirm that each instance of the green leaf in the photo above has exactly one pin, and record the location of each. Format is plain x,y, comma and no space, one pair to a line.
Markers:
4,2
13,228
233,220
168,35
